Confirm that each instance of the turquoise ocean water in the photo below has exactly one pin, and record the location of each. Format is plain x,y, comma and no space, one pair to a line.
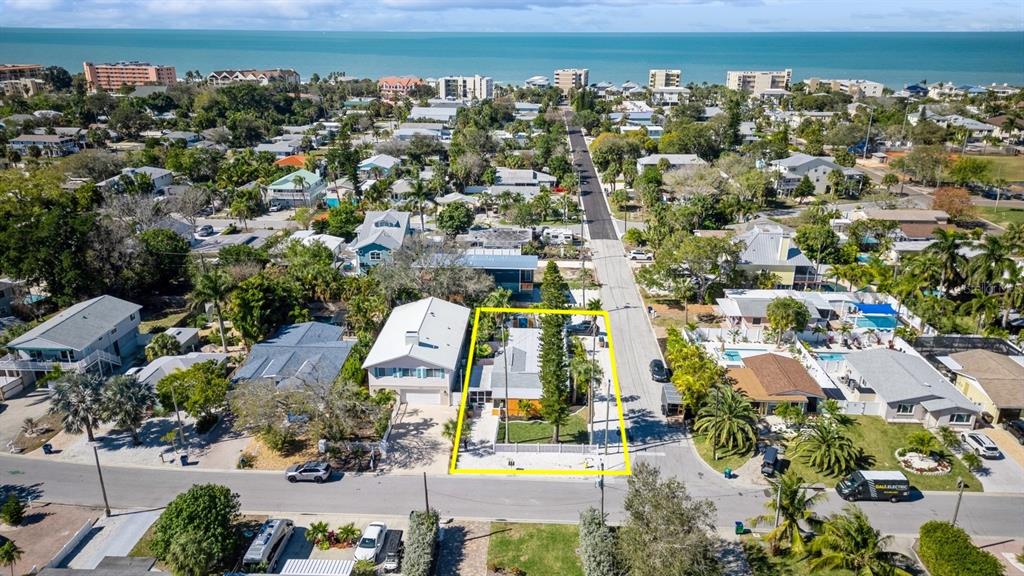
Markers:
892,58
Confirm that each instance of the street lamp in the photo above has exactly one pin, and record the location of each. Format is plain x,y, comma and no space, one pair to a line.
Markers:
99,472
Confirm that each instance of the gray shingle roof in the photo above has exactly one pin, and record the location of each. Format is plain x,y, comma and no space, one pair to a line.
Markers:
764,247
899,377
386,228
299,354
78,326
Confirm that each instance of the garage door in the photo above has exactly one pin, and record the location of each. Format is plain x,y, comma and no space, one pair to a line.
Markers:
432,398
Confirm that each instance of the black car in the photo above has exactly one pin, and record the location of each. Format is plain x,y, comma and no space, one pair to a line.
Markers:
314,470
659,372
1016,428
585,327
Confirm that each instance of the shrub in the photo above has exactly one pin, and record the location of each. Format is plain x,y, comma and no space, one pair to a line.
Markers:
276,438
364,568
947,550
202,517
12,512
420,543
597,545
247,461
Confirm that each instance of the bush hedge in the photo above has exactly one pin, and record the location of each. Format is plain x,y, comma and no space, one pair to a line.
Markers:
420,543
597,545
948,551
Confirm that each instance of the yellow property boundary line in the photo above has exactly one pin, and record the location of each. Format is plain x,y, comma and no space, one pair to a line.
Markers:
452,469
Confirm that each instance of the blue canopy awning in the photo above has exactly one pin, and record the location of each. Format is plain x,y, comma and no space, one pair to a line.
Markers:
881,309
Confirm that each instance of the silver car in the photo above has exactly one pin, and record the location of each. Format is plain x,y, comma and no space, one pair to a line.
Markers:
312,471
981,445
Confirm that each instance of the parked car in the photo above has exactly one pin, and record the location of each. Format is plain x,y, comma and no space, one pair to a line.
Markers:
640,255
276,206
659,372
888,485
204,231
312,471
1015,428
981,445
371,541
585,327
393,548
770,461
268,544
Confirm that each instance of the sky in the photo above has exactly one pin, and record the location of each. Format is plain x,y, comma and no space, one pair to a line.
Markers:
522,15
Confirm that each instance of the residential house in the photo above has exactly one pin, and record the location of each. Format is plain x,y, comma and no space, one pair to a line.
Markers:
537,82
48,145
509,268
293,161
772,379
212,245
904,387
380,234
280,150
97,334
771,248
912,223
976,130
408,130
189,139
522,181
300,188
505,237
161,178
687,162
337,245
790,171
151,374
9,293
994,382
394,88
262,77
669,95
748,309
512,377
379,165
856,88
1007,128
310,354
442,112
418,352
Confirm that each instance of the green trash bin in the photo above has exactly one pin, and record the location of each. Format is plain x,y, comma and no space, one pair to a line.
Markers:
740,529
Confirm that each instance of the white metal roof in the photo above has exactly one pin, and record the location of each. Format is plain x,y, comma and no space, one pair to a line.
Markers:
318,567
882,475
439,326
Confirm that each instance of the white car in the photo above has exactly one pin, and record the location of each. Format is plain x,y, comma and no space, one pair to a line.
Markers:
640,255
371,541
981,445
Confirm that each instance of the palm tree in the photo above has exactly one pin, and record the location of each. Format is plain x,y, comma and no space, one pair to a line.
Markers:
947,247
819,330
78,399
984,307
161,345
1013,293
849,541
987,269
827,448
789,505
451,427
418,194
125,401
585,371
213,287
728,420
299,183
924,442
317,534
10,554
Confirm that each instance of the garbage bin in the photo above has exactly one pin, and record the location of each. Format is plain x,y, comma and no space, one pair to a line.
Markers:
184,459
728,473
740,529
47,448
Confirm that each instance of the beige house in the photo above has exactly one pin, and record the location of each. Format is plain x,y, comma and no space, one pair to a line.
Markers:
772,379
992,381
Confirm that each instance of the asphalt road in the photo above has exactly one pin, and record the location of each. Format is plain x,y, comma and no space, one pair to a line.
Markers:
599,220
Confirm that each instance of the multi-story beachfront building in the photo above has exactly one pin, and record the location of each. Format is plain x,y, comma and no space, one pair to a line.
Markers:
465,87
261,77
571,78
855,88
20,71
397,87
113,76
758,82
664,78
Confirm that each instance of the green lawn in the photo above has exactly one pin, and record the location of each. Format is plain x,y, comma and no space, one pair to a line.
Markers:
1007,167
536,549
879,441
1001,216
539,432
168,321
732,462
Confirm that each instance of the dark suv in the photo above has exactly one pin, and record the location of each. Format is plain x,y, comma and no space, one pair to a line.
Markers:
1015,427
659,372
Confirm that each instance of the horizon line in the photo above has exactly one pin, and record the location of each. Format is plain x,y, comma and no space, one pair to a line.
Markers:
545,33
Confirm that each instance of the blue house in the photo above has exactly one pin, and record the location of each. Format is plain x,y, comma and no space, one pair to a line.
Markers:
509,268
379,235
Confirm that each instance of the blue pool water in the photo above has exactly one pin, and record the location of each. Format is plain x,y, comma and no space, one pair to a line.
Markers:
877,322
738,354
732,355
831,356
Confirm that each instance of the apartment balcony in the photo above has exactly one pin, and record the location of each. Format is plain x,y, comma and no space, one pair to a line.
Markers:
13,363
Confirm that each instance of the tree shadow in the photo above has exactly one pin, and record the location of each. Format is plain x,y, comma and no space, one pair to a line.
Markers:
34,518
452,552
24,493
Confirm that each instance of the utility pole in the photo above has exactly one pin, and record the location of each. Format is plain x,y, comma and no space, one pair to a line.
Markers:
177,414
600,484
607,416
960,484
103,487
426,496
504,357
867,137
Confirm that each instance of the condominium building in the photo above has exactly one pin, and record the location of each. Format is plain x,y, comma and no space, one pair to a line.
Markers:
394,88
261,77
572,78
855,88
758,82
465,87
664,78
20,71
113,76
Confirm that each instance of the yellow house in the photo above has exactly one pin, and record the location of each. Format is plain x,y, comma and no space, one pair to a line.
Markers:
992,381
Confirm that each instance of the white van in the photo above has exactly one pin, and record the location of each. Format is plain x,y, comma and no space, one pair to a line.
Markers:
266,548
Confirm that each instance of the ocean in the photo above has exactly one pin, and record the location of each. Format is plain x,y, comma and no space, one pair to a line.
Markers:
892,58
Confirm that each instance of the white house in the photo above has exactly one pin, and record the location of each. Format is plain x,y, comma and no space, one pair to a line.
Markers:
418,352
790,171
161,178
521,181
674,161
379,163
300,188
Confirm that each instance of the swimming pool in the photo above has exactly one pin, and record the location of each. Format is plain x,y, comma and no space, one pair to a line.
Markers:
738,354
830,356
877,322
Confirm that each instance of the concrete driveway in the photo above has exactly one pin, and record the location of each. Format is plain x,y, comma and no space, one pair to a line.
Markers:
31,405
113,536
1004,475
416,443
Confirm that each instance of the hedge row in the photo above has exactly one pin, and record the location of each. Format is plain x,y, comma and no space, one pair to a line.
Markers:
948,551
420,544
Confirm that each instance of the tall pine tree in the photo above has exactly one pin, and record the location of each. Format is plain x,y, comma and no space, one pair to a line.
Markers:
554,371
